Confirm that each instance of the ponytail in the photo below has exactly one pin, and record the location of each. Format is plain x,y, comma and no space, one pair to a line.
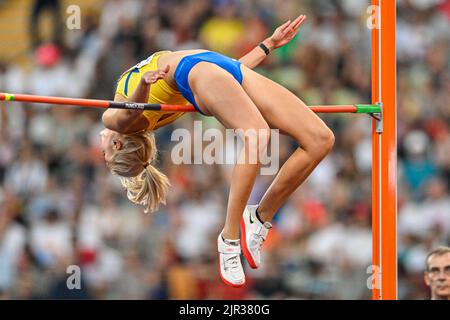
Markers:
148,189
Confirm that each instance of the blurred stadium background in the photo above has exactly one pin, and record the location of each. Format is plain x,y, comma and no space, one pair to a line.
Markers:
59,206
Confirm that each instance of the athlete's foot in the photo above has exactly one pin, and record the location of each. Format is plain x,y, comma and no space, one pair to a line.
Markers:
253,234
231,270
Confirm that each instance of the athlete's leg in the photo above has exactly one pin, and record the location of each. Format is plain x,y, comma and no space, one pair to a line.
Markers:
220,95
282,109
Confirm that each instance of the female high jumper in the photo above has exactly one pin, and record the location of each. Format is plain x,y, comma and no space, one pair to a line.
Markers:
239,98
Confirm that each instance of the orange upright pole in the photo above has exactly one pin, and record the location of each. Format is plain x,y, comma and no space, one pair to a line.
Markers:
384,184
376,97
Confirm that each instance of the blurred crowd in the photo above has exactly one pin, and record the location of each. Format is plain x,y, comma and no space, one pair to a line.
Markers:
59,205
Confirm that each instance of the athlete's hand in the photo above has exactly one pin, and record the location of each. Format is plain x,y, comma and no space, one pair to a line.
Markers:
286,32
151,77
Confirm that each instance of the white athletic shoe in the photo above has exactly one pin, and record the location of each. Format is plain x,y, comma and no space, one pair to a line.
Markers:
253,234
231,270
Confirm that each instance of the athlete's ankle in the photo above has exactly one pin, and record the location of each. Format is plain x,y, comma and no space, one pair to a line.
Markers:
258,216
229,236
262,215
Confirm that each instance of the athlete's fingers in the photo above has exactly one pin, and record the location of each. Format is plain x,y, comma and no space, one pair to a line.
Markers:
299,22
152,76
147,78
284,26
296,23
291,27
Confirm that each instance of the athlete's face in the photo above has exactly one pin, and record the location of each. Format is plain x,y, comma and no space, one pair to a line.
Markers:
110,141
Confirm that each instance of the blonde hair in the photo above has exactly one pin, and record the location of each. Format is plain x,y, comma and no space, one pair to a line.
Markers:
145,184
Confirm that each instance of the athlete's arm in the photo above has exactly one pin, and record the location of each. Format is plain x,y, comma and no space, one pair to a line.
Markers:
129,121
281,36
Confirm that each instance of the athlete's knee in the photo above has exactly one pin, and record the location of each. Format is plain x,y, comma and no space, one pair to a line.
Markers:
322,142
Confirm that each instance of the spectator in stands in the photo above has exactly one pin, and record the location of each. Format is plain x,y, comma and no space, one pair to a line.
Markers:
40,6
437,274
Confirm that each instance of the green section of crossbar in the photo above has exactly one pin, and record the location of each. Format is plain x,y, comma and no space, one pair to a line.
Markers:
368,108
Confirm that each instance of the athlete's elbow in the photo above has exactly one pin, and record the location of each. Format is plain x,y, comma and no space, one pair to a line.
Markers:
110,122
106,120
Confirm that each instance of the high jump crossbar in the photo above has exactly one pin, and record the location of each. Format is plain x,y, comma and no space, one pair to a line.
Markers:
384,142
94,103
